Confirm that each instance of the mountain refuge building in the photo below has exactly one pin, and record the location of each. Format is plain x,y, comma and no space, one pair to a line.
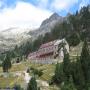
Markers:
49,52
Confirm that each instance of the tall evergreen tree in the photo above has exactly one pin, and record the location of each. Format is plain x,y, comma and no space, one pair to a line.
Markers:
59,75
66,64
32,85
6,63
78,76
85,62
68,85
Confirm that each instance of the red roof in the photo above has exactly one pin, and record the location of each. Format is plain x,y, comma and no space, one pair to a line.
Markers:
48,44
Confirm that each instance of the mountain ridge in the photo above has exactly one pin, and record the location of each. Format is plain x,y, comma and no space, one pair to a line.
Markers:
47,25
15,36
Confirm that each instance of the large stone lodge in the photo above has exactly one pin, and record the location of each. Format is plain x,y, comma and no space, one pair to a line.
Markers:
49,52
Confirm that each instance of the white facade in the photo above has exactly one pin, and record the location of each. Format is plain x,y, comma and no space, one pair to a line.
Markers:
48,50
57,46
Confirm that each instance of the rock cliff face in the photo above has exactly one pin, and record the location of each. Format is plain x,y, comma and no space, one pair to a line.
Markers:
11,37
47,25
52,18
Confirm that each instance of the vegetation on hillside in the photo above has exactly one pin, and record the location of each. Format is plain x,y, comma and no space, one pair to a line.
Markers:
32,85
74,75
6,63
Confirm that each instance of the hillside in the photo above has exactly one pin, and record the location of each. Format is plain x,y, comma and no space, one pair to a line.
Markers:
47,25
11,37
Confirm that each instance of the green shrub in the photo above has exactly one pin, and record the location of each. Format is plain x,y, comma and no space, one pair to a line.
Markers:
38,72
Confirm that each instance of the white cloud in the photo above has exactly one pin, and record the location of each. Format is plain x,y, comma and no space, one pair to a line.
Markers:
23,15
63,4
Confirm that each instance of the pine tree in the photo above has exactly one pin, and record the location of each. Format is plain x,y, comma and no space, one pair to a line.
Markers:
85,62
66,64
6,63
32,85
59,75
78,76
68,85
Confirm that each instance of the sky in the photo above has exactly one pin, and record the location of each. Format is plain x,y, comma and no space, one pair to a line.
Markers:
30,13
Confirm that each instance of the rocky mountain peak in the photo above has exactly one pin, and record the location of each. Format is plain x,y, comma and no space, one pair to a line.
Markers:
11,37
53,17
47,25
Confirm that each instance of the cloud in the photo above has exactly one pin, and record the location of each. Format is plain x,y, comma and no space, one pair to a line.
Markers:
59,5
23,15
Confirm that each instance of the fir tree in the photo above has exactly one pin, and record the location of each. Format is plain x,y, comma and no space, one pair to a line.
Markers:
85,62
6,63
59,75
66,64
78,76
32,85
68,85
